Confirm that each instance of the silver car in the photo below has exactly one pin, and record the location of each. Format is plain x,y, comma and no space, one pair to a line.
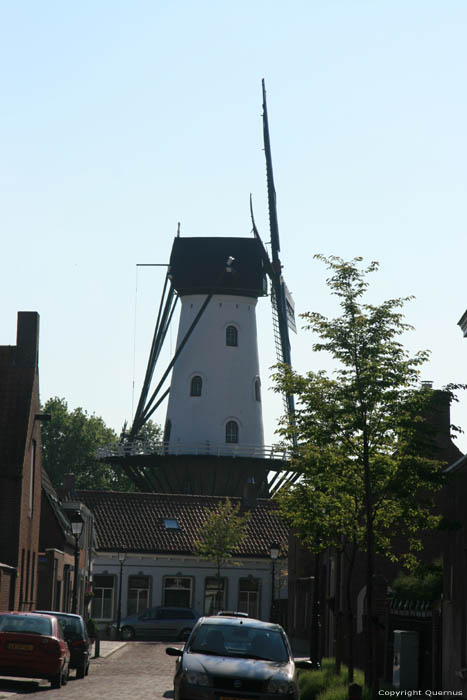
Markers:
235,658
162,621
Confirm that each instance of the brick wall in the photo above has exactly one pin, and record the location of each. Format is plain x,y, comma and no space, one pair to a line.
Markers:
7,580
20,453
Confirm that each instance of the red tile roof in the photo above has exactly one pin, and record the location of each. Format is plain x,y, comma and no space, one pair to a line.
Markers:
133,522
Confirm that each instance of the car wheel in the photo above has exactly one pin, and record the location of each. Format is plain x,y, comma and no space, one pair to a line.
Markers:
66,675
56,681
184,634
81,670
127,633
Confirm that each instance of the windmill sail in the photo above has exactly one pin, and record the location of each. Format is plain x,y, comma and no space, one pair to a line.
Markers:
290,309
278,291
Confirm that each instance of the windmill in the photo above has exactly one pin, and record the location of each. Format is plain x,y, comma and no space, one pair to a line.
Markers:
214,395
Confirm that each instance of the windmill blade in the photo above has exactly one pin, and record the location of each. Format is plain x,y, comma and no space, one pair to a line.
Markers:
278,291
264,253
166,310
273,222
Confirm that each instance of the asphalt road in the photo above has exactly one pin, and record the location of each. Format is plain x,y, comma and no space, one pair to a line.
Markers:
135,671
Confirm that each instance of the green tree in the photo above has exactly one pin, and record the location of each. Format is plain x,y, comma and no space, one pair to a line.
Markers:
148,439
424,583
69,445
365,457
220,536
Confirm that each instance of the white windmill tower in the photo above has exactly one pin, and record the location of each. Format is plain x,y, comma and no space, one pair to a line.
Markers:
215,393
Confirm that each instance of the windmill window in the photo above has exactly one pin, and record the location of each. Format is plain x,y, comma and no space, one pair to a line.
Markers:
258,389
231,431
196,386
231,336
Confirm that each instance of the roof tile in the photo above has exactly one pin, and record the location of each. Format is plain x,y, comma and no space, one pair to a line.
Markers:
133,522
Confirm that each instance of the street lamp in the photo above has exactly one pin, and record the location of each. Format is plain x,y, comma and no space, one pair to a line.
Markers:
274,549
121,559
77,523
315,636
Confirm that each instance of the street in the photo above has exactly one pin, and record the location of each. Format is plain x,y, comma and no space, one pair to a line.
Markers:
135,671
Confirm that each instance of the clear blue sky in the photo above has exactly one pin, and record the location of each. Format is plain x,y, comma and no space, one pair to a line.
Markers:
119,119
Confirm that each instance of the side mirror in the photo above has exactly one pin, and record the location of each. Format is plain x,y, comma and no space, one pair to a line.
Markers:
304,665
172,651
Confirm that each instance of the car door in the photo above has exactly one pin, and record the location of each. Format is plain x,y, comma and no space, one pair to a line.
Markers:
165,622
147,623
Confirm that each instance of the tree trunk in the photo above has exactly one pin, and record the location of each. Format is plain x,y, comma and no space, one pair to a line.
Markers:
338,612
350,615
370,671
218,596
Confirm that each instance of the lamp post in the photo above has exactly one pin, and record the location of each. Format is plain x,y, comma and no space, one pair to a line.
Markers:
77,523
121,559
315,636
274,549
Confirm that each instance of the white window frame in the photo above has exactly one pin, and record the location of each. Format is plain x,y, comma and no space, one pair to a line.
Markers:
230,434
112,597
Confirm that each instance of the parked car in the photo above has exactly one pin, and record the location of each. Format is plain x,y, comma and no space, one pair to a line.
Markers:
235,656
33,646
75,632
160,621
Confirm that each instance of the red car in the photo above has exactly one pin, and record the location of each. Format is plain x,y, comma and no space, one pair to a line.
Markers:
33,646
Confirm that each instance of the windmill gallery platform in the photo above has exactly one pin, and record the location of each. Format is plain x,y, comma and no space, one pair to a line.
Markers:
197,468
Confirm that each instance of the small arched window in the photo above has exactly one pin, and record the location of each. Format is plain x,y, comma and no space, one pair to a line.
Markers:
258,389
196,386
231,336
231,431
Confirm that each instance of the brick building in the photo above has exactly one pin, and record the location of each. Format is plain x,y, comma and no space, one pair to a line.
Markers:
20,466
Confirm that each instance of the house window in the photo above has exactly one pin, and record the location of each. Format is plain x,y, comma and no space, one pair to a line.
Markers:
214,594
196,386
171,524
178,591
258,389
231,431
138,594
231,336
103,600
248,596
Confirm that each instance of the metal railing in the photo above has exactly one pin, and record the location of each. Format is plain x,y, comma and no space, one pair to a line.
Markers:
196,448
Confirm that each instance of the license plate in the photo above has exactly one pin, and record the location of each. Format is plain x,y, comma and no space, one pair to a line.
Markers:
19,647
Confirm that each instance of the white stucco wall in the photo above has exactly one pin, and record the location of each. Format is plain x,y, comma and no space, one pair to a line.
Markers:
159,566
228,374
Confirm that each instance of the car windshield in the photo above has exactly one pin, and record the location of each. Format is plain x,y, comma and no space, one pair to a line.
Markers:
25,624
71,626
239,640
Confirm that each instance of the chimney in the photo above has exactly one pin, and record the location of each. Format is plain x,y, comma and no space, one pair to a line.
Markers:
438,417
27,339
69,487
250,494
